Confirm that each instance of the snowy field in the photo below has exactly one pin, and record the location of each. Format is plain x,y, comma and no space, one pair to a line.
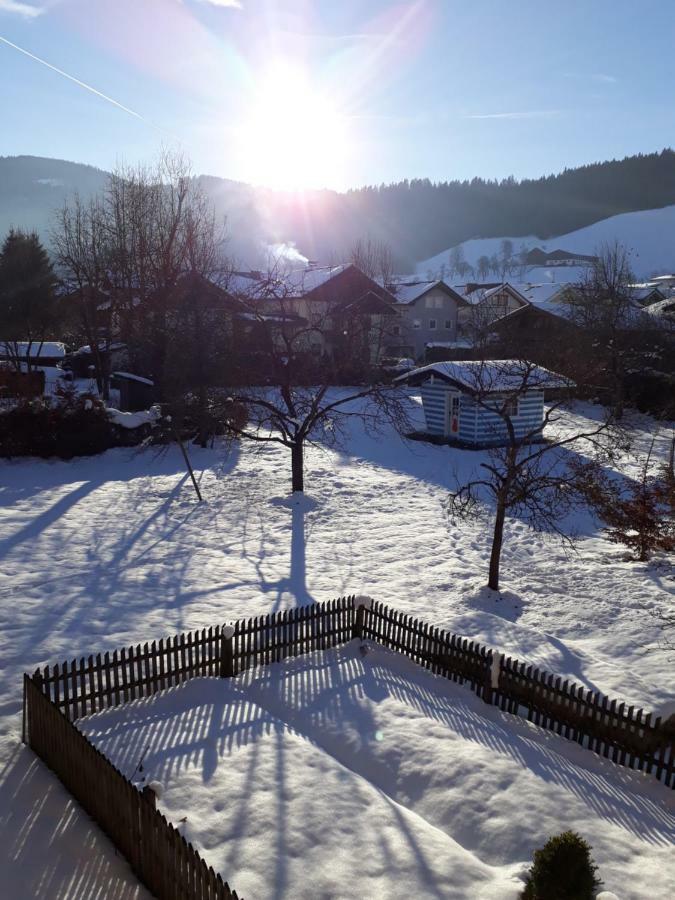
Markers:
113,550
345,775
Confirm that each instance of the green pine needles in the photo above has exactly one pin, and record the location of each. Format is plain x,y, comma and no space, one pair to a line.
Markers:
562,870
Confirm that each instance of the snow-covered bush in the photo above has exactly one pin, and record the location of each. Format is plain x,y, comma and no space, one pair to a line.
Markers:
66,425
69,424
562,870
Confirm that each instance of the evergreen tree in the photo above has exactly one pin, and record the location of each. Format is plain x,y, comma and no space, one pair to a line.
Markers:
27,301
563,870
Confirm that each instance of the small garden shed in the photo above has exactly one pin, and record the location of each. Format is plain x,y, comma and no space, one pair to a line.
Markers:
469,402
135,392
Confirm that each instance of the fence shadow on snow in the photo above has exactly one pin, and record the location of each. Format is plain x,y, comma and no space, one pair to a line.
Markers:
56,697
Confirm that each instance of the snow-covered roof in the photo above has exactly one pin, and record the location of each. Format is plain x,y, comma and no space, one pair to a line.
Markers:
664,279
543,294
408,291
449,345
548,296
661,308
490,376
642,292
129,376
475,293
102,346
282,283
51,349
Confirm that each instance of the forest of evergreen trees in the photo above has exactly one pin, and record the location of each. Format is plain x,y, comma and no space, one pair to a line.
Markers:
430,217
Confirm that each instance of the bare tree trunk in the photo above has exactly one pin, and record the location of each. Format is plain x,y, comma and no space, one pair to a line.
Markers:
298,467
188,464
497,540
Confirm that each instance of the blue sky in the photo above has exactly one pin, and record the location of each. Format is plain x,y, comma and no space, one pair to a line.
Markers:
340,93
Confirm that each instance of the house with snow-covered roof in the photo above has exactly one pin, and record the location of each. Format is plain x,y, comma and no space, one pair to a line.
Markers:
38,353
427,312
340,310
663,311
646,293
478,403
489,304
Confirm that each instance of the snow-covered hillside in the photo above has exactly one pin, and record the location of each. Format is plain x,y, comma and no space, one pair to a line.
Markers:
649,235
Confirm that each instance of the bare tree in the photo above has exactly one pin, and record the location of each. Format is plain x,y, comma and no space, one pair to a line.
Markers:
483,267
524,476
374,258
522,264
83,257
614,330
124,254
506,259
298,361
457,263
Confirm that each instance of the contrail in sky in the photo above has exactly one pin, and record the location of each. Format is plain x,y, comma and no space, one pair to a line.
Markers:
82,84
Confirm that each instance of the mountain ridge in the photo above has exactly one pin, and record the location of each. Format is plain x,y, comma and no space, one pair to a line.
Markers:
417,218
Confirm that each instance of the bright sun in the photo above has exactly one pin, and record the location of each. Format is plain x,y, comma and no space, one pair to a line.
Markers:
293,136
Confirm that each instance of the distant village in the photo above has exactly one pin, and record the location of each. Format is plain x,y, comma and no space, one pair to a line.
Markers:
336,312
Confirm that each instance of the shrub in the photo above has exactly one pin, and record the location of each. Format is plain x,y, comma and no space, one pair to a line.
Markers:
44,428
640,514
562,870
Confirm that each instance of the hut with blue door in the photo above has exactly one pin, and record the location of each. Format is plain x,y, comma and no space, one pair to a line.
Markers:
475,403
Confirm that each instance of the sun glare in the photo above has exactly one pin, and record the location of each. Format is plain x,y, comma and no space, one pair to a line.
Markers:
293,136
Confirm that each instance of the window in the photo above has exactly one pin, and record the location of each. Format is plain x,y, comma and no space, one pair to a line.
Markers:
507,406
417,323
500,302
449,324
434,303
396,329
432,324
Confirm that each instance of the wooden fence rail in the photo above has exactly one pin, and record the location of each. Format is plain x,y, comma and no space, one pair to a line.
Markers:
159,855
627,736
55,697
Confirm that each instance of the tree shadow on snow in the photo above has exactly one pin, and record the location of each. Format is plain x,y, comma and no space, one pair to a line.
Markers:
295,583
99,594
331,701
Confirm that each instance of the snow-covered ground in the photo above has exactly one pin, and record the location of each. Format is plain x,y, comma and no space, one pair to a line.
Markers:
106,551
382,781
645,233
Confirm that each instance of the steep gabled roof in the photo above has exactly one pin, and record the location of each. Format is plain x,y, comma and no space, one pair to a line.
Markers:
479,293
343,285
409,292
192,290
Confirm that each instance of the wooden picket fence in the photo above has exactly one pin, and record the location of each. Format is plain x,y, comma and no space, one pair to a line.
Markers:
160,856
81,687
627,736
55,697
